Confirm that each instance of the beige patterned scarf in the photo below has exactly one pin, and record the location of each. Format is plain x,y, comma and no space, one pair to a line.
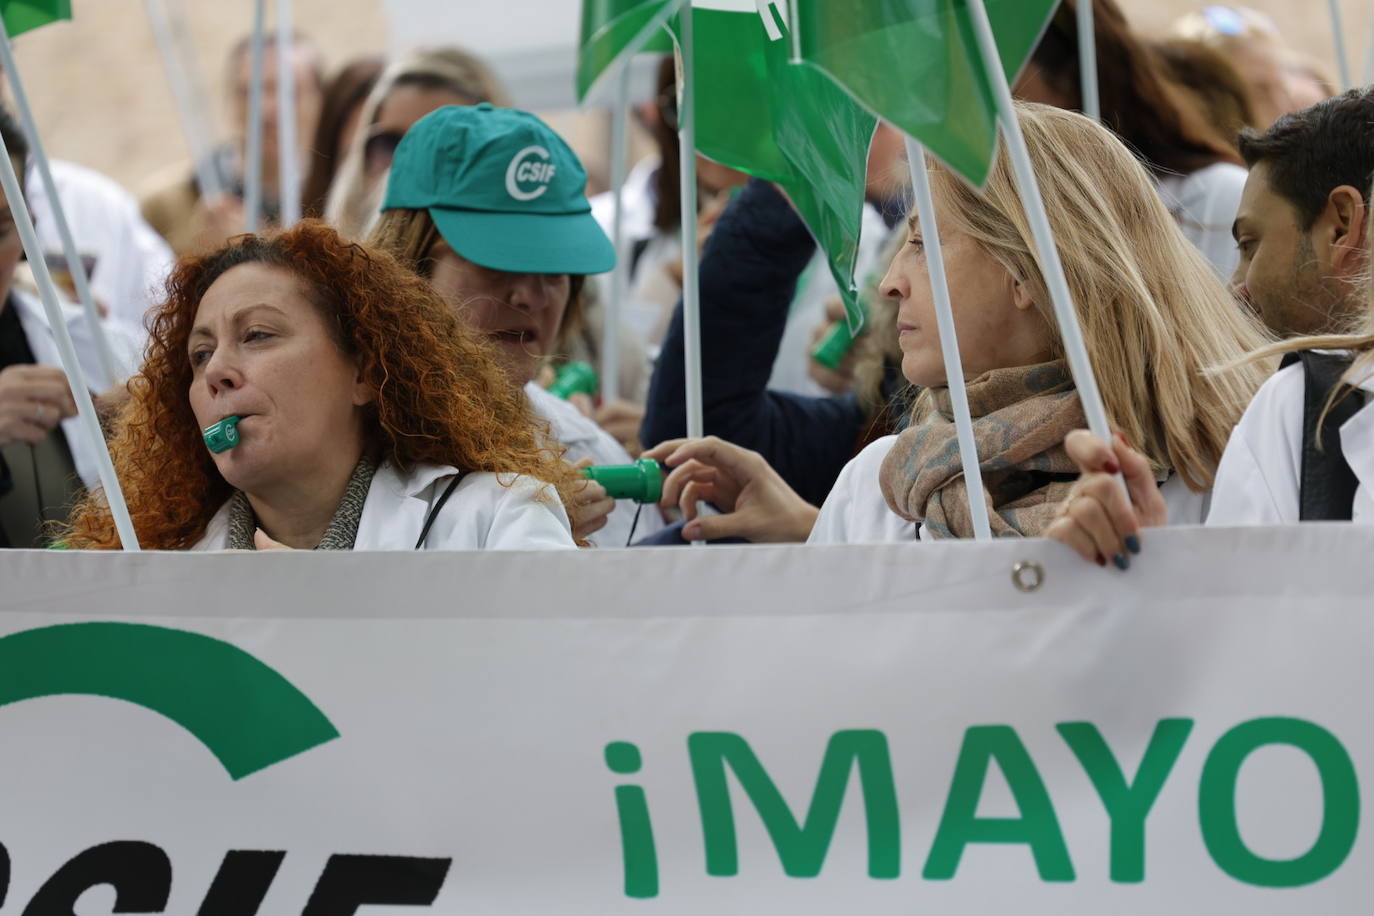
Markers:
343,527
1020,419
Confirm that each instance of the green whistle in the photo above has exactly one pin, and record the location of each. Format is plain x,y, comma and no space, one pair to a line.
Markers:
575,378
641,481
222,436
834,346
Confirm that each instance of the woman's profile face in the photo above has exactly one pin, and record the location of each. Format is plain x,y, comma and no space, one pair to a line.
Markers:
520,313
261,351
994,318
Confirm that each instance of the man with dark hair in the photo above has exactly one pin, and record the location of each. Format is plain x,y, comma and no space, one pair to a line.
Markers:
1302,227
192,223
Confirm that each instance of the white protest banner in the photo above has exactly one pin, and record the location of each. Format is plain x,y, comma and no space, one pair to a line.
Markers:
888,729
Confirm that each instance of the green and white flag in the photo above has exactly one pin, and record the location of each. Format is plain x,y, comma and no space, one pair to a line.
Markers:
612,29
915,63
23,15
757,113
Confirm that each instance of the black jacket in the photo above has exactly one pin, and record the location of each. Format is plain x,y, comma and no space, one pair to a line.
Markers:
749,271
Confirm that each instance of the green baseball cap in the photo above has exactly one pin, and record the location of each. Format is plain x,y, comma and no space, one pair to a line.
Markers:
503,189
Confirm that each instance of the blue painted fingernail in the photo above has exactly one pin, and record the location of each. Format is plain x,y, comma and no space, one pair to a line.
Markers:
1133,543
1122,562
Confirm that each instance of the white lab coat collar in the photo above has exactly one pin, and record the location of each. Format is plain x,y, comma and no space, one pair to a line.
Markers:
395,503
42,342
399,504
1357,445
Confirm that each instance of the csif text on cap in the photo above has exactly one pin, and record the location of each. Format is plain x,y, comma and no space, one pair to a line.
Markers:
503,189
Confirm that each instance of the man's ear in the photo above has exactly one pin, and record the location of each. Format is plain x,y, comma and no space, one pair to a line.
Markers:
1349,229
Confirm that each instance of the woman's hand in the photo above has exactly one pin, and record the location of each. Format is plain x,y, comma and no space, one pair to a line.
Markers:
757,504
33,400
622,420
1096,519
839,380
591,506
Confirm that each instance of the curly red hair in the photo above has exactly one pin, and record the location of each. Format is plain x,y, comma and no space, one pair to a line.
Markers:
439,394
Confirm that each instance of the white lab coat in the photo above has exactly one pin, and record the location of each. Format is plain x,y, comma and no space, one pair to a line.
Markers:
855,512
1258,480
484,513
131,260
584,439
39,334
1204,205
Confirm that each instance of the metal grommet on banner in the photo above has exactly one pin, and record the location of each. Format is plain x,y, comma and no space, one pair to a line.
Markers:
1027,576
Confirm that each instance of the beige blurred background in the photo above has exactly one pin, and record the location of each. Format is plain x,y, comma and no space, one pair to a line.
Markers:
101,99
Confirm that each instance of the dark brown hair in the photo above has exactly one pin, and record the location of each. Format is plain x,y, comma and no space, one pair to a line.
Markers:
343,96
1160,124
1314,151
1214,85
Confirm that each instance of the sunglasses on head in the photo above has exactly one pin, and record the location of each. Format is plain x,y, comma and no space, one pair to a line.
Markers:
380,149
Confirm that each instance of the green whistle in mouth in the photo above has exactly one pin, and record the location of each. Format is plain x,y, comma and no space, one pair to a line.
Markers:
641,481
222,436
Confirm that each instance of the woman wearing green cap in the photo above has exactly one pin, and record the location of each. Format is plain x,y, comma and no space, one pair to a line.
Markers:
488,204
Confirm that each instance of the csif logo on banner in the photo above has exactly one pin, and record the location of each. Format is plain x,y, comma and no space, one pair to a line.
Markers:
802,844
245,713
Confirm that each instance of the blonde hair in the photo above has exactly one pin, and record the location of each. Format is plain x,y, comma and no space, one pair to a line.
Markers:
1153,313
354,202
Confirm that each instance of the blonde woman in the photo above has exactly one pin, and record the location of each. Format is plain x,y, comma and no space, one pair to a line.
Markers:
407,90
1153,316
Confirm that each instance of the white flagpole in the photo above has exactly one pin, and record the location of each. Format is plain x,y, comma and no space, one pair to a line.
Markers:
1087,60
610,335
691,297
64,231
183,96
85,407
1338,33
1070,332
252,166
949,343
288,163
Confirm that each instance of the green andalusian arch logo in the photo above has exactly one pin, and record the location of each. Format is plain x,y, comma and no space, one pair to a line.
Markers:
243,711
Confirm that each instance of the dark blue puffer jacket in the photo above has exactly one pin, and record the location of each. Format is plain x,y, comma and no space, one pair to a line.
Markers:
749,271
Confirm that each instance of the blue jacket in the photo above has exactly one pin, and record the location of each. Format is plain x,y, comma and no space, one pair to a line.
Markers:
749,271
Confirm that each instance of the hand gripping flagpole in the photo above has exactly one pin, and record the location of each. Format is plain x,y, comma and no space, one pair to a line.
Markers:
691,297
288,162
1338,33
949,343
1087,60
252,180
1075,350
610,335
74,263
85,407
207,177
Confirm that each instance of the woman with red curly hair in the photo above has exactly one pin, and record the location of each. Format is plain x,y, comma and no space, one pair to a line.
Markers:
368,416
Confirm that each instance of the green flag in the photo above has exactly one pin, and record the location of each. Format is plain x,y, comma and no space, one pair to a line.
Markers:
22,15
915,63
757,113
612,29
